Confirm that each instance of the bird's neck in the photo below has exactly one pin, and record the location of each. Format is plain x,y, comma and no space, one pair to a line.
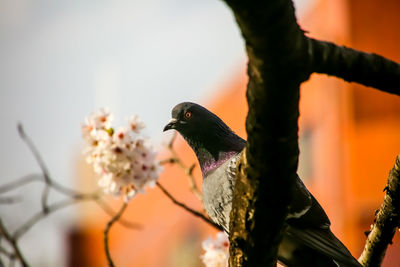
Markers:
213,153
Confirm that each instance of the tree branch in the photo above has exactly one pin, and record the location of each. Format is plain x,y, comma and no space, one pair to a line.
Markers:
107,230
188,170
190,210
351,65
277,50
50,209
386,221
9,200
107,209
42,165
73,198
27,179
17,252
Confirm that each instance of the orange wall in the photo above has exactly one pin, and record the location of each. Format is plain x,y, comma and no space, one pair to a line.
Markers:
357,128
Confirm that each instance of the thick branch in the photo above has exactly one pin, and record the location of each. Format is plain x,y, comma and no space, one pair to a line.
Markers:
355,66
278,63
273,36
386,221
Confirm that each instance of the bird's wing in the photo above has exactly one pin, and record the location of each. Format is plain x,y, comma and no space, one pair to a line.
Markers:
305,210
312,228
325,242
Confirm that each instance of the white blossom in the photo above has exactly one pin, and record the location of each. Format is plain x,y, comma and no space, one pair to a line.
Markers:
136,124
124,160
216,251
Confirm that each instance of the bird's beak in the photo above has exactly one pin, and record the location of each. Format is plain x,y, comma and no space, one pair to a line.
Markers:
171,124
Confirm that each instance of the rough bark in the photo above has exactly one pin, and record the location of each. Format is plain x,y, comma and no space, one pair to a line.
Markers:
351,65
387,219
271,156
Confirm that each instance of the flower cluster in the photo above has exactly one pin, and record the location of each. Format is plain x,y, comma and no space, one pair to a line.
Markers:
123,158
217,251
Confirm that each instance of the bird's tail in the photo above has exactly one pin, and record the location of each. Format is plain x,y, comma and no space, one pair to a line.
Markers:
326,243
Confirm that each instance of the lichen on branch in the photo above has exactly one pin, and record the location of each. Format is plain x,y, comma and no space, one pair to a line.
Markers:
387,219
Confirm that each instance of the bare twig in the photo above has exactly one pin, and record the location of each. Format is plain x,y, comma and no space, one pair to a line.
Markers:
42,165
6,252
107,230
17,252
20,182
107,209
73,198
387,219
190,210
10,200
187,169
71,192
95,196
50,209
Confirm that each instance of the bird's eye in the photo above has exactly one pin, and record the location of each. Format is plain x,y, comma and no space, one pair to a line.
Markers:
188,114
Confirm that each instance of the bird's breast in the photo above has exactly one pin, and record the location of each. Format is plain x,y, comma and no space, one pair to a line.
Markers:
218,192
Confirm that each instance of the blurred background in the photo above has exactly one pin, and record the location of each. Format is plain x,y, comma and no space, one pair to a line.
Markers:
61,60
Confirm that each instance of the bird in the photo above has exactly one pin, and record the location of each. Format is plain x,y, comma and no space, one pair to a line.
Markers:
307,240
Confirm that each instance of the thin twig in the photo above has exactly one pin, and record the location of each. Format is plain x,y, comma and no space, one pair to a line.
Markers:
172,141
43,213
190,210
107,209
10,200
2,263
42,165
6,252
71,192
107,230
13,243
20,182
50,183
73,195
188,170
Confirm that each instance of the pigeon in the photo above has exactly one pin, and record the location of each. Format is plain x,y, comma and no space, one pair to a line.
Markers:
307,240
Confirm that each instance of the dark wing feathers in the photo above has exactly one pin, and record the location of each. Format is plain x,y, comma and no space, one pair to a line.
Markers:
312,229
314,217
313,214
323,241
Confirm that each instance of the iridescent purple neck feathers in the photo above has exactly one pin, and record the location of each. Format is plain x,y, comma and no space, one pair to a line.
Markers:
212,154
211,164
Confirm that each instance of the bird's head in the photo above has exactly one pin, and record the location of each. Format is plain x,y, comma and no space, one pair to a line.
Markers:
191,120
208,135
